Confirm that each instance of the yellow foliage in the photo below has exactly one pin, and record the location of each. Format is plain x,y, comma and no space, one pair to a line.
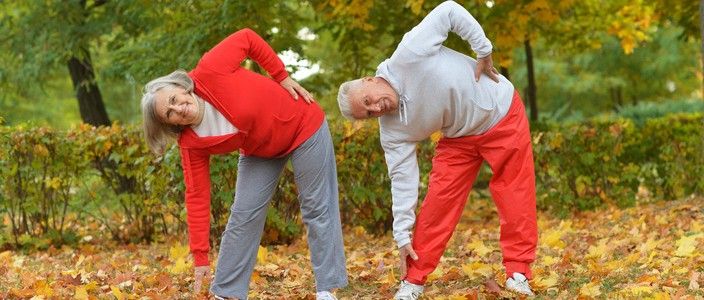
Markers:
632,24
599,250
81,293
553,239
549,260
261,255
591,289
436,274
180,266
356,10
687,244
477,268
178,251
117,293
5,257
415,5
478,247
546,282
436,136
42,288
638,290
661,296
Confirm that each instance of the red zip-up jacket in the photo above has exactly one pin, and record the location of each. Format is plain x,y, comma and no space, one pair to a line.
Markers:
270,122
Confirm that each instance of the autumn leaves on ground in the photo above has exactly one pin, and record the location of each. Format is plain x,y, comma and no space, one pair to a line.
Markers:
650,251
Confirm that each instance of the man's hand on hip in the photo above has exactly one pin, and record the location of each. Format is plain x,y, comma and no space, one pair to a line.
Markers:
486,65
403,253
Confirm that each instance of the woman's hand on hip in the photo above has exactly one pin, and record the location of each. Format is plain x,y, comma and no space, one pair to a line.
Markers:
199,273
296,89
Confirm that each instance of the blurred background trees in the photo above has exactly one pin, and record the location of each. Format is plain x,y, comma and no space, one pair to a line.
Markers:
569,59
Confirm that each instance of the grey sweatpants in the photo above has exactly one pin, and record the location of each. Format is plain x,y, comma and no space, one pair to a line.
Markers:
316,178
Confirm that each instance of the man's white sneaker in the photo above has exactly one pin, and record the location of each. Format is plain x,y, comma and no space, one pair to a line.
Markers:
408,291
325,295
519,284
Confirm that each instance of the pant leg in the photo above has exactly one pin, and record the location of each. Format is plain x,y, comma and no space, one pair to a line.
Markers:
316,178
455,167
257,179
508,150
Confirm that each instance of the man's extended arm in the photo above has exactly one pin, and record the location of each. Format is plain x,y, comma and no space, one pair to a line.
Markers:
427,37
403,171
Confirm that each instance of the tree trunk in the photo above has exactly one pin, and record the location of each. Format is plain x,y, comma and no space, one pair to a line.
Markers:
531,94
90,101
701,28
504,71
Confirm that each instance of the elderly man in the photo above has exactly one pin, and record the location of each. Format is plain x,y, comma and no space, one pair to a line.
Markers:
423,88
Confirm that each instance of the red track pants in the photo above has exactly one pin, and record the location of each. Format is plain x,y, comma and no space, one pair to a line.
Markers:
507,149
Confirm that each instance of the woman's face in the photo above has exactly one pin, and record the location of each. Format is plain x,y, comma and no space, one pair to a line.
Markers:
175,106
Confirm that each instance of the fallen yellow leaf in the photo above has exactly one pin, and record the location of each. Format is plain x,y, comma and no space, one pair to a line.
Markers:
178,251
553,239
549,260
180,266
687,244
590,289
546,282
261,255
81,293
117,293
478,247
477,268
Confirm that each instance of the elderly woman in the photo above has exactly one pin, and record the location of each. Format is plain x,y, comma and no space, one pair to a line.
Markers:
220,107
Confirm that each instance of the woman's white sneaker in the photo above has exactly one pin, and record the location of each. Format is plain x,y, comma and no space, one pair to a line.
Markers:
408,291
519,284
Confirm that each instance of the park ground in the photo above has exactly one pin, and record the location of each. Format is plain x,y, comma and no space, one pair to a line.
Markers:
651,251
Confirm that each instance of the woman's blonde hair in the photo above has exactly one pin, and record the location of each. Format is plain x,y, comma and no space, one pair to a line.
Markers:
156,132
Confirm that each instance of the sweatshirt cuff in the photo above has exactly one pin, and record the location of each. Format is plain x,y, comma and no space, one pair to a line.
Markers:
483,55
403,241
280,76
200,258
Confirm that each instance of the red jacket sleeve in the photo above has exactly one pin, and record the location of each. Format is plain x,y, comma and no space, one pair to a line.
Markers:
196,173
227,56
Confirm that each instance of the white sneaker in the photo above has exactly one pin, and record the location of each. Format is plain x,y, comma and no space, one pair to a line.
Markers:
325,295
519,284
408,291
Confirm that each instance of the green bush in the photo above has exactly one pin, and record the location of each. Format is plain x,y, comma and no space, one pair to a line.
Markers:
645,111
58,186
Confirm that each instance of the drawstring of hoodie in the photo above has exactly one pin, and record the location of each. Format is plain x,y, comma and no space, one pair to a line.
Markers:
402,113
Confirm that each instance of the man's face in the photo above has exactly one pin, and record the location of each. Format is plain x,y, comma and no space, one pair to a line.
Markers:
373,98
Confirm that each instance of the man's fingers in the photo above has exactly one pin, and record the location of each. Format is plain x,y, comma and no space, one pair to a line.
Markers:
403,268
413,254
197,284
493,76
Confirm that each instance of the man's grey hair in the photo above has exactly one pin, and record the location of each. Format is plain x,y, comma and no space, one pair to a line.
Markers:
156,132
343,97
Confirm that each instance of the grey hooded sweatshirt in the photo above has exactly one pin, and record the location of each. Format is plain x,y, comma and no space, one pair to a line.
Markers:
437,92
